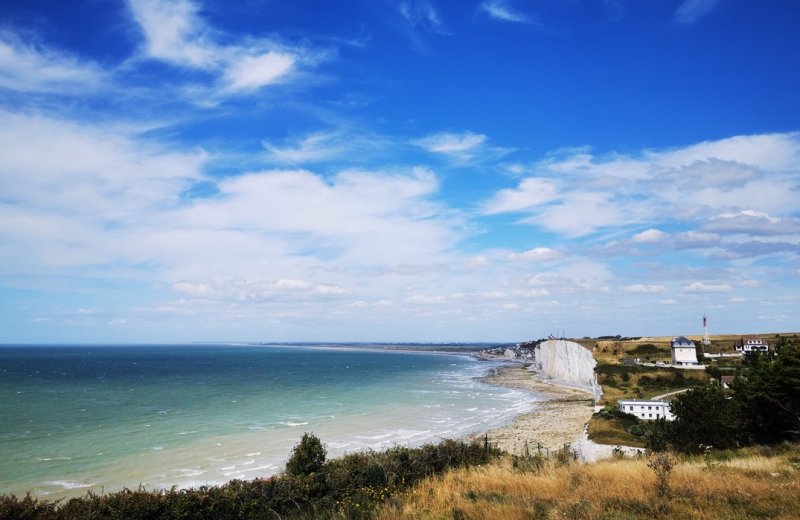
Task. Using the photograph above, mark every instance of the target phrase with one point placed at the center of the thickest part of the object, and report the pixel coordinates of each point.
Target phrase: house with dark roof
(684, 352)
(749, 344)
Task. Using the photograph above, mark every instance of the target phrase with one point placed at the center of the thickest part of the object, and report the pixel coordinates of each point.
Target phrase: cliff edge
(568, 363)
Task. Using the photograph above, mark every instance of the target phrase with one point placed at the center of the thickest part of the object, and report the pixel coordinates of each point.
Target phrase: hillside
(751, 483)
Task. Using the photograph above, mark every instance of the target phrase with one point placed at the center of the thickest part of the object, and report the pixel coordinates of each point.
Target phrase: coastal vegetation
(350, 487)
(762, 407)
(758, 482)
(621, 381)
(470, 481)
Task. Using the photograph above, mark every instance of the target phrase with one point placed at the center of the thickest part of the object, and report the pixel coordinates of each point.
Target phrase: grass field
(754, 483)
(638, 382)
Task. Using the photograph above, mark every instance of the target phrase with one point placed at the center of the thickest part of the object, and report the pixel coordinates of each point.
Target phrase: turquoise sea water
(75, 418)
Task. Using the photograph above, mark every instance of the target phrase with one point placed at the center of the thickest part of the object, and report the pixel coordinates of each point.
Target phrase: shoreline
(558, 419)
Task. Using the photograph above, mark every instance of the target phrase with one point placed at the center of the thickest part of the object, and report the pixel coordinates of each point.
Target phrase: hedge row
(346, 487)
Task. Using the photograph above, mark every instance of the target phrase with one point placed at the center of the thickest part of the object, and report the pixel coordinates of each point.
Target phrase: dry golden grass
(749, 485)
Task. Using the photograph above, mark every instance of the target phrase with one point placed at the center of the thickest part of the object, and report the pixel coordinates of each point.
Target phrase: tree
(768, 390)
(307, 457)
(705, 416)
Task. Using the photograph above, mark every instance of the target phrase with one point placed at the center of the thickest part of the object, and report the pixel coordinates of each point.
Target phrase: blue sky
(422, 170)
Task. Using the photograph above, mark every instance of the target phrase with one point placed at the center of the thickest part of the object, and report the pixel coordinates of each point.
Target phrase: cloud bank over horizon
(208, 179)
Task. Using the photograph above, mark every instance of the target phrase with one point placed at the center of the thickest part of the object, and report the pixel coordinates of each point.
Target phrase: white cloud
(26, 67)
(531, 293)
(537, 254)
(530, 193)
(329, 289)
(175, 33)
(451, 144)
(690, 11)
(769, 152)
(685, 186)
(500, 10)
(476, 262)
(580, 214)
(701, 287)
(252, 72)
(650, 236)
(254, 290)
(753, 222)
(695, 240)
(107, 173)
(419, 12)
(424, 299)
(311, 148)
(321, 146)
(644, 289)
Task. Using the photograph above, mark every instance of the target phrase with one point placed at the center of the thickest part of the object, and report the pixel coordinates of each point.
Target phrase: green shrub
(307, 457)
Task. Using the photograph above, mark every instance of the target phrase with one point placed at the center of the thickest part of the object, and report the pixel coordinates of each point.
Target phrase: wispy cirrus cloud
(175, 32)
(317, 146)
(420, 13)
(27, 67)
(327, 145)
(461, 147)
(500, 10)
(451, 143)
(690, 11)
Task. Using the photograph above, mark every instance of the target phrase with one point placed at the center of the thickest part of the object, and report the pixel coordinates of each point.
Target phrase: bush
(648, 348)
(662, 466)
(705, 415)
(307, 457)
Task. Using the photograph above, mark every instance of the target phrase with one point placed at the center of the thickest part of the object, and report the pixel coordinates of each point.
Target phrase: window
(631, 407)
(649, 407)
(650, 415)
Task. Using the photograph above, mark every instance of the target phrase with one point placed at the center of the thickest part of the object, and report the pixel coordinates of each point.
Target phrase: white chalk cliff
(567, 363)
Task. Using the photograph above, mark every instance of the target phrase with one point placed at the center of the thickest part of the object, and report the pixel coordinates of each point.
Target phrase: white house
(646, 410)
(749, 344)
(684, 352)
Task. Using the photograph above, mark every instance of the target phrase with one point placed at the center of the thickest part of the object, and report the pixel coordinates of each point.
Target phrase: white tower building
(706, 341)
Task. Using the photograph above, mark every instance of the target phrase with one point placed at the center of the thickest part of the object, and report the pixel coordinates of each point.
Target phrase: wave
(68, 484)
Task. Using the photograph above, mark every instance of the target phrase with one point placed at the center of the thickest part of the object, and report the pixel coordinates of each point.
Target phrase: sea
(101, 418)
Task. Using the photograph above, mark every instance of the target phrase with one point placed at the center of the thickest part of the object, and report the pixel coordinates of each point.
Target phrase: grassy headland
(751, 483)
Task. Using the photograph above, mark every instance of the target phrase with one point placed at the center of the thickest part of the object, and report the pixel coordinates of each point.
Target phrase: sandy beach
(558, 420)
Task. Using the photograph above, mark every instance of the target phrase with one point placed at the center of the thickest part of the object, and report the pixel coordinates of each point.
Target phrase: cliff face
(568, 363)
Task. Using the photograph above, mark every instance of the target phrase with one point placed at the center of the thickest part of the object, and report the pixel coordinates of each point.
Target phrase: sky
(416, 170)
